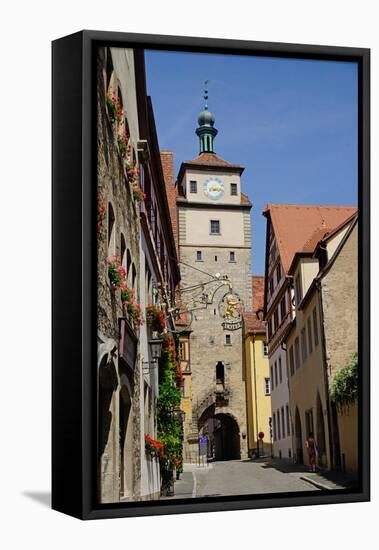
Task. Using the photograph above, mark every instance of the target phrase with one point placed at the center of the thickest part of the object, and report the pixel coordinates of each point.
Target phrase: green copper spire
(206, 131)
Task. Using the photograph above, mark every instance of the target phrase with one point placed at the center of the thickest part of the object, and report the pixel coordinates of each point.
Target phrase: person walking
(311, 447)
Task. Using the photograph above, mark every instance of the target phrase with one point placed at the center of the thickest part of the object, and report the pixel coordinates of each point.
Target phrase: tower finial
(206, 94)
(206, 130)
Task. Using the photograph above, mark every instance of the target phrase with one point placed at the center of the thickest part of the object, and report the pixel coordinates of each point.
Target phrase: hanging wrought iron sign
(231, 309)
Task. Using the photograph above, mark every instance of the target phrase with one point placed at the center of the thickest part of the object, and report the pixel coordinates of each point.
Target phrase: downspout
(326, 378)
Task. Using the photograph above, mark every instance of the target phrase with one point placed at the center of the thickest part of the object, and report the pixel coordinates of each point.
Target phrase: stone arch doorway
(299, 438)
(223, 434)
(320, 432)
(126, 440)
(226, 438)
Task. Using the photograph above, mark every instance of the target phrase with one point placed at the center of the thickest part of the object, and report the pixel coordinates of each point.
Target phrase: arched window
(108, 70)
(128, 265)
(111, 232)
(123, 251)
(134, 277)
(220, 374)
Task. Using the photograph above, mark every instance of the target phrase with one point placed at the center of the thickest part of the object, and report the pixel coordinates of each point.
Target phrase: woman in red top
(312, 452)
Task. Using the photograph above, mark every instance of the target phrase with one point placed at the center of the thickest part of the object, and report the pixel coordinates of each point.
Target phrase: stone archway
(227, 438)
(222, 432)
(299, 438)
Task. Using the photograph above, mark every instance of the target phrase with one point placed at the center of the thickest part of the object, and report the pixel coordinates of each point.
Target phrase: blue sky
(291, 123)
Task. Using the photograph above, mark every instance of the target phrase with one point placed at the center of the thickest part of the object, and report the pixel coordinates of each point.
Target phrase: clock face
(214, 188)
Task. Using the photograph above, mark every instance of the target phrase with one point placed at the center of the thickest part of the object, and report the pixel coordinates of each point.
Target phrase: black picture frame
(74, 273)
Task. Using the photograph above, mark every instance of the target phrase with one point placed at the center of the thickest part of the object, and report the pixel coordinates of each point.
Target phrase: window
(267, 386)
(272, 377)
(276, 373)
(282, 308)
(134, 277)
(233, 189)
(265, 349)
(288, 420)
(315, 327)
(215, 258)
(309, 422)
(276, 319)
(182, 351)
(283, 426)
(274, 417)
(292, 365)
(199, 256)
(215, 227)
(271, 285)
(111, 232)
(183, 387)
(269, 329)
(278, 423)
(228, 340)
(298, 291)
(193, 186)
(232, 256)
(280, 371)
(304, 351)
(278, 273)
(310, 346)
(297, 354)
(220, 375)
(123, 251)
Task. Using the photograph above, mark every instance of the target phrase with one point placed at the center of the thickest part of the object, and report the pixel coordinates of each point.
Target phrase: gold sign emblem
(231, 308)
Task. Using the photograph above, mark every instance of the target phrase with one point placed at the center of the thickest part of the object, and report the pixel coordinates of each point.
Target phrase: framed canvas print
(210, 275)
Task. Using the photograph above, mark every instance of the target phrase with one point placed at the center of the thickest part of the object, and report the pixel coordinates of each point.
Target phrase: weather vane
(206, 93)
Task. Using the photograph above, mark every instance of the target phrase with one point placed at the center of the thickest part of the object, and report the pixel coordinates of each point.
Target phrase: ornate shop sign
(231, 308)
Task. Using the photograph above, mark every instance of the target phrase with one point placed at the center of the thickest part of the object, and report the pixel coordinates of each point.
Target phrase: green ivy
(344, 389)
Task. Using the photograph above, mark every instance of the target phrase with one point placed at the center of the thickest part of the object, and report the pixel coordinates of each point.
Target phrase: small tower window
(232, 256)
(215, 258)
(199, 256)
(233, 189)
(228, 340)
(220, 375)
(193, 186)
(215, 227)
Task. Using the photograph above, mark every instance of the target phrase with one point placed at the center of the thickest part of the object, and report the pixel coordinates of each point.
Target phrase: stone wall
(208, 344)
(115, 190)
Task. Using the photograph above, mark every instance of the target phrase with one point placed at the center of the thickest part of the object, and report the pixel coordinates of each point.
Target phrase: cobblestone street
(239, 477)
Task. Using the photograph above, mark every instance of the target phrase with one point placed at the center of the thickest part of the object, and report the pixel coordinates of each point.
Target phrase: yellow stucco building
(258, 388)
(320, 340)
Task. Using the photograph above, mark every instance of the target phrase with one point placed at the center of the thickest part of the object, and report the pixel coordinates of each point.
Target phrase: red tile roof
(211, 159)
(297, 227)
(254, 320)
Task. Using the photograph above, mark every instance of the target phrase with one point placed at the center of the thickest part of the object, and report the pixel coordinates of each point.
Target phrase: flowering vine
(114, 109)
(117, 277)
(156, 318)
(138, 194)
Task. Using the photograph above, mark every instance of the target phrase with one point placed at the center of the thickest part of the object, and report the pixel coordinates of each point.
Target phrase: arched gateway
(222, 432)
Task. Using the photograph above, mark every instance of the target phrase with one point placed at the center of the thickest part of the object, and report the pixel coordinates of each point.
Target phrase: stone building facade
(135, 237)
(215, 258)
(321, 340)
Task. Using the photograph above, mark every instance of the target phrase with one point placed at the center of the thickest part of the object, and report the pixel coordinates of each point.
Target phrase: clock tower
(215, 255)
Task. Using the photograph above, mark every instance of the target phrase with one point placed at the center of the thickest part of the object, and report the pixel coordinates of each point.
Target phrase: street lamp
(156, 348)
(155, 352)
